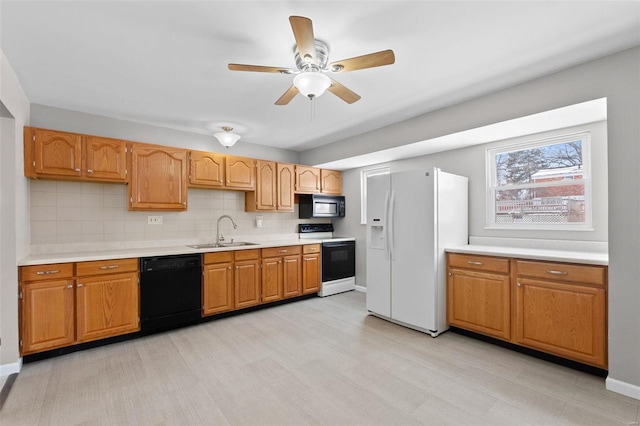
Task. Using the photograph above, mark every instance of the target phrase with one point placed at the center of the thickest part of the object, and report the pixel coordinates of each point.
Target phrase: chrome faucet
(220, 238)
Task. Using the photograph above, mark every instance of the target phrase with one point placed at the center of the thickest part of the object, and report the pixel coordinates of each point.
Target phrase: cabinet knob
(78, 170)
(70, 286)
(89, 171)
(519, 285)
(229, 267)
(80, 285)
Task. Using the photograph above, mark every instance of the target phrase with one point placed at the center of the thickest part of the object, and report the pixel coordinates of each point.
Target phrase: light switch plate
(154, 220)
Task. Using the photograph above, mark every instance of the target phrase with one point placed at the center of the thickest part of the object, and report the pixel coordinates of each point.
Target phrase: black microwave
(320, 206)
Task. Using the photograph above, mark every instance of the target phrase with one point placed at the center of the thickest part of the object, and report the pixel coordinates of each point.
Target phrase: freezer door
(378, 265)
(412, 239)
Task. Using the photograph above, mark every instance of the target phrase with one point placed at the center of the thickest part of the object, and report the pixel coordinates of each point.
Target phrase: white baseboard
(361, 288)
(623, 388)
(7, 369)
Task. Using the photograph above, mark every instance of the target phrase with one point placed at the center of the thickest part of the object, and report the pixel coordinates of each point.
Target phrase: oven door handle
(338, 244)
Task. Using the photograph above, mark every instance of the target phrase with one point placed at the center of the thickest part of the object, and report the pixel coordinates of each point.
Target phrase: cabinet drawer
(218, 257)
(246, 254)
(281, 251)
(311, 248)
(46, 272)
(101, 267)
(562, 272)
(479, 263)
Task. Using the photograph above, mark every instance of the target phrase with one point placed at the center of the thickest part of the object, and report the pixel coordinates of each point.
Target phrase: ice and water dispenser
(376, 234)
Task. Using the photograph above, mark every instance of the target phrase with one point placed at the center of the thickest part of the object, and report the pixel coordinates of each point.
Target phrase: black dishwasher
(170, 292)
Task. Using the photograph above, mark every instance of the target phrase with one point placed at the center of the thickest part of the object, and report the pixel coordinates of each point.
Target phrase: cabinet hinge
(20, 295)
(126, 172)
(34, 163)
(20, 342)
(33, 137)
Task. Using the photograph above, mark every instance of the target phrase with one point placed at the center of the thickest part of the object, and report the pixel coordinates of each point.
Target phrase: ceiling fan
(311, 57)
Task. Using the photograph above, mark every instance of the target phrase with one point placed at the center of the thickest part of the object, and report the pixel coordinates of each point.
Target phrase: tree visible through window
(541, 183)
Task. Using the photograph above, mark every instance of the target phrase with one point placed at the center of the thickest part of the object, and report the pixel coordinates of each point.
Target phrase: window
(543, 184)
(363, 190)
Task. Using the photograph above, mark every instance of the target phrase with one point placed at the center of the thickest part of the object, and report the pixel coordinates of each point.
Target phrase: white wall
(14, 194)
(615, 77)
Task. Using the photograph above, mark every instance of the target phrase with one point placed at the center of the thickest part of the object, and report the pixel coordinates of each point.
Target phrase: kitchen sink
(230, 244)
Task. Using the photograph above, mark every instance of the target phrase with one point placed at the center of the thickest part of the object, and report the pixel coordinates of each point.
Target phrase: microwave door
(325, 209)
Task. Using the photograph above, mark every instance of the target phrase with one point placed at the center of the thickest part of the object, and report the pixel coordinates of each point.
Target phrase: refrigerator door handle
(390, 225)
(386, 225)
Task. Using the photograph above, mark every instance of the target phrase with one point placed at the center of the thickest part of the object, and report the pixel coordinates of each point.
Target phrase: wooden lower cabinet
(106, 306)
(281, 273)
(217, 283)
(246, 278)
(479, 301)
(311, 272)
(561, 309)
(87, 302)
(47, 315)
(553, 307)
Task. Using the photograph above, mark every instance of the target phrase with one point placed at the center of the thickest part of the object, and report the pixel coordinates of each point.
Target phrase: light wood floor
(317, 361)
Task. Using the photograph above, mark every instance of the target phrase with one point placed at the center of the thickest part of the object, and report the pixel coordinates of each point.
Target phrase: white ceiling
(165, 62)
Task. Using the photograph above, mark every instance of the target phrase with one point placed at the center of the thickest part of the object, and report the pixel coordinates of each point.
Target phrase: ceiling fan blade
(259, 68)
(343, 93)
(288, 96)
(305, 40)
(385, 57)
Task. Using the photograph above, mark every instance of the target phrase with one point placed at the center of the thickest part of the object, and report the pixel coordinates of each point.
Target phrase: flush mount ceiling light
(226, 137)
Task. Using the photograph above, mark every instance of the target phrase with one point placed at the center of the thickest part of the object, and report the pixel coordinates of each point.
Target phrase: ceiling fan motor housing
(309, 64)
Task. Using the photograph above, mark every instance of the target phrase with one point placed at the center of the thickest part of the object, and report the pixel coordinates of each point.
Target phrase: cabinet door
(266, 192)
(331, 181)
(479, 301)
(307, 180)
(105, 159)
(311, 278)
(158, 178)
(107, 306)
(57, 153)
(240, 173)
(217, 288)
(48, 315)
(563, 319)
(285, 185)
(292, 275)
(271, 279)
(206, 169)
(247, 283)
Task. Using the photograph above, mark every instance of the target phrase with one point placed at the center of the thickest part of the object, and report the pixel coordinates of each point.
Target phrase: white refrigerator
(411, 217)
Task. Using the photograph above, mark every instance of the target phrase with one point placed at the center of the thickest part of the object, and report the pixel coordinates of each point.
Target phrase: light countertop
(556, 251)
(88, 254)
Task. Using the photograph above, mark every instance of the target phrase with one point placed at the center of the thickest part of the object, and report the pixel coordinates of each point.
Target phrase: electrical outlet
(154, 220)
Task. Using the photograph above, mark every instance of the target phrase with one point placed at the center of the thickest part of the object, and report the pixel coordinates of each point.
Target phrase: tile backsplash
(83, 212)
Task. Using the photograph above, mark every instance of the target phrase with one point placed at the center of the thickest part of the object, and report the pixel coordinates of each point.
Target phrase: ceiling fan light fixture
(311, 84)
(226, 137)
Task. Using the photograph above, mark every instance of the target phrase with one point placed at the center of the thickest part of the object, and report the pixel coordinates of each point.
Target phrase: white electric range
(338, 258)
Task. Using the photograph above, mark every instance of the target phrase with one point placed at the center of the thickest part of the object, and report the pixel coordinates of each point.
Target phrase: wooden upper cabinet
(105, 159)
(286, 184)
(158, 178)
(240, 173)
(64, 155)
(206, 169)
(274, 188)
(307, 180)
(53, 153)
(331, 182)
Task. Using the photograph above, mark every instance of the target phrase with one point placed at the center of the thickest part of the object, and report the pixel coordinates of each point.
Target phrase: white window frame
(491, 184)
(364, 174)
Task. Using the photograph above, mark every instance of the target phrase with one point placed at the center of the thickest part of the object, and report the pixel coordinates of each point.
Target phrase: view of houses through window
(541, 183)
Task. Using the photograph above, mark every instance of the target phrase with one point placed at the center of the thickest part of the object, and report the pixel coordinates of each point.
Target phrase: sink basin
(237, 244)
(213, 245)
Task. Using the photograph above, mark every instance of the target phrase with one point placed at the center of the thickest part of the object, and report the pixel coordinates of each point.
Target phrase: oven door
(338, 260)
